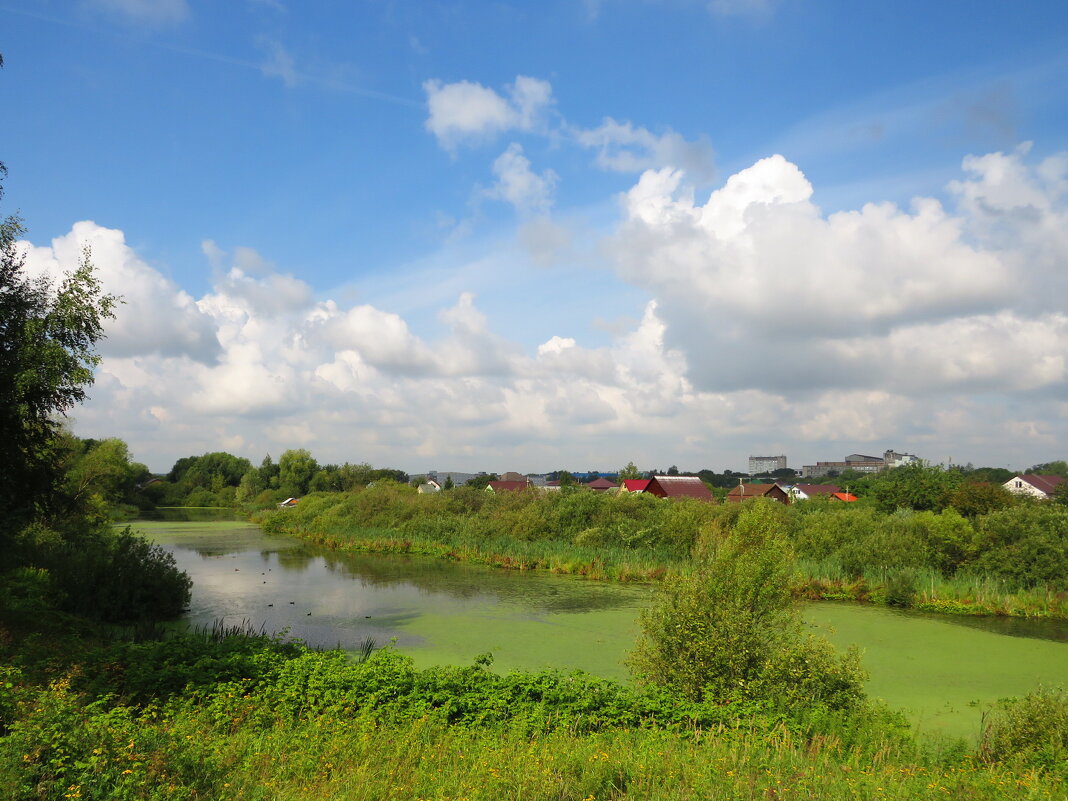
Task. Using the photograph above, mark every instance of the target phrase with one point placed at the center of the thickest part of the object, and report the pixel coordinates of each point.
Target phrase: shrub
(730, 630)
(1027, 544)
(901, 589)
(1032, 731)
(118, 577)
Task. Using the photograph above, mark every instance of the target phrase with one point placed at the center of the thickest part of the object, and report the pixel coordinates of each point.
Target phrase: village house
(601, 485)
(744, 492)
(1036, 486)
(679, 487)
(804, 492)
(508, 486)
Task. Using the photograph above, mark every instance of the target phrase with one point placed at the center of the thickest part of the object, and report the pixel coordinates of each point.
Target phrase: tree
(295, 471)
(481, 482)
(916, 486)
(1057, 468)
(629, 472)
(47, 356)
(252, 484)
(48, 336)
(729, 629)
(975, 498)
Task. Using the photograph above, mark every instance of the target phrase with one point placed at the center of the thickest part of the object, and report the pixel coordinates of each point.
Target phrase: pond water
(942, 671)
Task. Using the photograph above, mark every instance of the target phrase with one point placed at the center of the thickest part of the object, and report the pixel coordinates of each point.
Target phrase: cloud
(759, 290)
(518, 185)
(157, 316)
(622, 147)
(469, 112)
(151, 13)
(937, 329)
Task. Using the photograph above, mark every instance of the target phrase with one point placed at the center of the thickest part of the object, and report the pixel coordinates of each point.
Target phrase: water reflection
(1040, 628)
(327, 598)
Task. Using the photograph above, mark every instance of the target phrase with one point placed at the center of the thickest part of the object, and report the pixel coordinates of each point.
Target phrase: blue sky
(458, 174)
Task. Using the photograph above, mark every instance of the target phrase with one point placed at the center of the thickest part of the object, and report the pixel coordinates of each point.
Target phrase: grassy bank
(201, 716)
(1004, 564)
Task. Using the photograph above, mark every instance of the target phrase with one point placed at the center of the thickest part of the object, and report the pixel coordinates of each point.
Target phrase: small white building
(428, 488)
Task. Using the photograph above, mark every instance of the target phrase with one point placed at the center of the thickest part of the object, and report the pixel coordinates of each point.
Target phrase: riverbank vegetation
(1011, 560)
(733, 700)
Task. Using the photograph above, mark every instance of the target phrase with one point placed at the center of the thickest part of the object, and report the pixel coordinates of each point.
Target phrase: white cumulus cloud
(468, 111)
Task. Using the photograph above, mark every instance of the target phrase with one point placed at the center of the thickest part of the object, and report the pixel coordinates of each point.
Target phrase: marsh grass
(961, 594)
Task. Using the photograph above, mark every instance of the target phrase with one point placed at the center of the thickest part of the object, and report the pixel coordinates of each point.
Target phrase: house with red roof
(745, 492)
(679, 487)
(636, 484)
(844, 497)
(1034, 485)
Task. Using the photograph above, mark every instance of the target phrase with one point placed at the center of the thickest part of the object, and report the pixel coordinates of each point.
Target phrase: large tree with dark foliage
(47, 338)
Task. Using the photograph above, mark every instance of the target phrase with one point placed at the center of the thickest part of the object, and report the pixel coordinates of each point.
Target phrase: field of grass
(259, 722)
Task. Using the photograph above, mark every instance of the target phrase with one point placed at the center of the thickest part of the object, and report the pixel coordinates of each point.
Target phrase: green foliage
(252, 484)
(261, 719)
(629, 472)
(47, 338)
(1057, 468)
(1031, 731)
(481, 482)
(901, 589)
(295, 471)
(115, 577)
(1026, 545)
(915, 486)
(730, 629)
(975, 498)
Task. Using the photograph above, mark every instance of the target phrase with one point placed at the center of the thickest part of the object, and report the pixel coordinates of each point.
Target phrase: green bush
(1031, 731)
(901, 589)
(730, 630)
(1027, 545)
(116, 577)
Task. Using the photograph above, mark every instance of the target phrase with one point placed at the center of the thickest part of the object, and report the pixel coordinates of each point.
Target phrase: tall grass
(964, 593)
(119, 753)
(206, 715)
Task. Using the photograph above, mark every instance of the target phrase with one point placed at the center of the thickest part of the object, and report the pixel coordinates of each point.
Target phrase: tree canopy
(47, 356)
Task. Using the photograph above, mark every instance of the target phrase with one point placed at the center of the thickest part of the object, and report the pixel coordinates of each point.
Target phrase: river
(944, 672)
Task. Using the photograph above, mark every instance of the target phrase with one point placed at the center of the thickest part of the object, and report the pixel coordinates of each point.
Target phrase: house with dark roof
(803, 492)
(745, 492)
(601, 484)
(507, 486)
(679, 487)
(1034, 485)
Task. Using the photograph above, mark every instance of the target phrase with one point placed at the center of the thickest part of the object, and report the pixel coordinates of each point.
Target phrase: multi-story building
(861, 463)
(759, 465)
